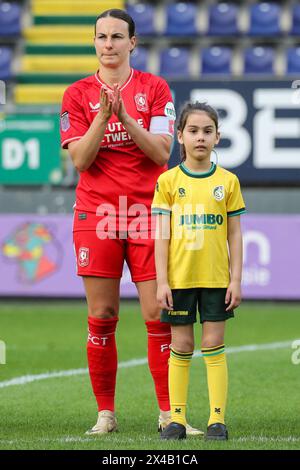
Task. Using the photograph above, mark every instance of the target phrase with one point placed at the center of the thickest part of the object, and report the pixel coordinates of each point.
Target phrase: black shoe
(216, 432)
(174, 431)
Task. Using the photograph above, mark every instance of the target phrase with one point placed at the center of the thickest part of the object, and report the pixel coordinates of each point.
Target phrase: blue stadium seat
(264, 19)
(5, 63)
(174, 62)
(296, 20)
(10, 19)
(223, 20)
(216, 60)
(139, 59)
(181, 19)
(293, 60)
(143, 16)
(259, 60)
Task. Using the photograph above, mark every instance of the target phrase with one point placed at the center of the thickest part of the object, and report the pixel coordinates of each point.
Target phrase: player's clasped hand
(164, 297)
(106, 103)
(111, 102)
(118, 104)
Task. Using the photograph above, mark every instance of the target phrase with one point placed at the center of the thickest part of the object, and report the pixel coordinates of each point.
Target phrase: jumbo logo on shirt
(83, 257)
(205, 220)
(141, 102)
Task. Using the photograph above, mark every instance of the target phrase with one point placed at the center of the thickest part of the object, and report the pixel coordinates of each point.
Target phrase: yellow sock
(217, 381)
(179, 371)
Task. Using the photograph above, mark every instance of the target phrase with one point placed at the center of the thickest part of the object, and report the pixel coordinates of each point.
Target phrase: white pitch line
(62, 440)
(25, 379)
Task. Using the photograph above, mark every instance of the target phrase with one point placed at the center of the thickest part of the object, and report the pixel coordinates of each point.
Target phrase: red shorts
(105, 258)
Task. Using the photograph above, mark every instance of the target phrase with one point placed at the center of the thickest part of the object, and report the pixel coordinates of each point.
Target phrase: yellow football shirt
(198, 204)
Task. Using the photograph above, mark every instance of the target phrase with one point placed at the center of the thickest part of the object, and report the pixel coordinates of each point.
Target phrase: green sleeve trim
(237, 212)
(157, 210)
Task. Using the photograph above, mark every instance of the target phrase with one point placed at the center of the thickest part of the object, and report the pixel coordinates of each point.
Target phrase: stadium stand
(36, 94)
(264, 19)
(5, 63)
(177, 39)
(259, 60)
(223, 20)
(181, 19)
(143, 15)
(10, 19)
(296, 20)
(216, 60)
(58, 34)
(139, 59)
(174, 62)
(69, 8)
(293, 60)
(58, 48)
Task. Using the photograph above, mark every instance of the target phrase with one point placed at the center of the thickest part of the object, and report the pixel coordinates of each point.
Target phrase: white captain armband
(162, 125)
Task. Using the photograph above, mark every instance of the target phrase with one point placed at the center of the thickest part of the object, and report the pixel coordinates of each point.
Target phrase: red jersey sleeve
(162, 111)
(73, 121)
(162, 101)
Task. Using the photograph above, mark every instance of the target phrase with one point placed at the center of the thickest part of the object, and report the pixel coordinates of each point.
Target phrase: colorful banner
(37, 257)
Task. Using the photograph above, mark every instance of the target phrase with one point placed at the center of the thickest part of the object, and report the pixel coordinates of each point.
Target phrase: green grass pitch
(54, 412)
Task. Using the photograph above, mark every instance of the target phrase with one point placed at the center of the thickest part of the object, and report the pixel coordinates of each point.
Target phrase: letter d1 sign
(30, 150)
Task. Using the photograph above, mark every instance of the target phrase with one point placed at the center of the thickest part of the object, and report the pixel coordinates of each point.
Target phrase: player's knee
(103, 312)
(185, 346)
(211, 341)
(151, 314)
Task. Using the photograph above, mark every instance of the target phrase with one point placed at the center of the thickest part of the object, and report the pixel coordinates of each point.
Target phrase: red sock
(102, 360)
(159, 339)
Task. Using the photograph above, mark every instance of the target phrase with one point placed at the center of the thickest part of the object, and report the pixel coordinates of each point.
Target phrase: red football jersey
(120, 168)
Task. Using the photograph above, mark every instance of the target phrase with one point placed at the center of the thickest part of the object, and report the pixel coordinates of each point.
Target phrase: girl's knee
(212, 341)
(185, 346)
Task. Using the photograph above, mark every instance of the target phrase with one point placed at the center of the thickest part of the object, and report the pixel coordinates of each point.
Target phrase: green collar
(194, 174)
